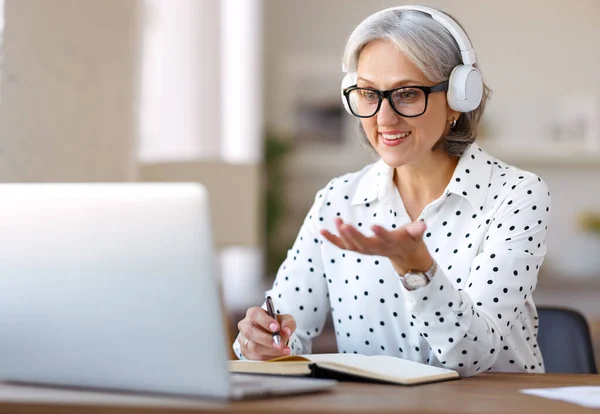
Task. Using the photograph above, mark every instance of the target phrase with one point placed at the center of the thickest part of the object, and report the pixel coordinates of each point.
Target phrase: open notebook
(348, 367)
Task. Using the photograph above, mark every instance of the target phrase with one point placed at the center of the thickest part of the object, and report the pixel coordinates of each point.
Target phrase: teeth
(395, 136)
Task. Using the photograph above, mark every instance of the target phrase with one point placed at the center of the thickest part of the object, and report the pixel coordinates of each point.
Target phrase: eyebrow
(404, 82)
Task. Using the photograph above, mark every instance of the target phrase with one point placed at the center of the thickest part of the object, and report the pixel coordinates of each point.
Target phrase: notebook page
(383, 365)
(588, 396)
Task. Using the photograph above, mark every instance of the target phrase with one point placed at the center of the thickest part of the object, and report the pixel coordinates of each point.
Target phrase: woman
(431, 253)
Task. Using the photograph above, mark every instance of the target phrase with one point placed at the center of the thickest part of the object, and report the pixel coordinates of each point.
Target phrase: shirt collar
(472, 176)
(374, 183)
(378, 183)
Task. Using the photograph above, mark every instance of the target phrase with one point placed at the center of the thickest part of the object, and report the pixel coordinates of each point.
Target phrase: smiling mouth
(393, 137)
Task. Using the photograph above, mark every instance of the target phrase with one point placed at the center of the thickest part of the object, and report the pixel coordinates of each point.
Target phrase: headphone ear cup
(349, 80)
(465, 88)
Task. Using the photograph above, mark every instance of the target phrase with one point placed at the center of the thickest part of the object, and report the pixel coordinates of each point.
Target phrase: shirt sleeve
(300, 287)
(466, 328)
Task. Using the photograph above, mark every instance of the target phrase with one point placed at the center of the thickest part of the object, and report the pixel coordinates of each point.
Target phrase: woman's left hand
(403, 246)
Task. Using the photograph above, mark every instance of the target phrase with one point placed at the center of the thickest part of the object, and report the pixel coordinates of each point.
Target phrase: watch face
(415, 280)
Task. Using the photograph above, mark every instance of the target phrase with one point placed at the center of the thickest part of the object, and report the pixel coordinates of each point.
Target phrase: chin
(394, 160)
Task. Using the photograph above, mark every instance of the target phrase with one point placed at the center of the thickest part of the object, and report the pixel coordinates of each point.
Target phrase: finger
(359, 240)
(260, 317)
(382, 234)
(333, 239)
(288, 327)
(255, 333)
(347, 240)
(255, 351)
(416, 229)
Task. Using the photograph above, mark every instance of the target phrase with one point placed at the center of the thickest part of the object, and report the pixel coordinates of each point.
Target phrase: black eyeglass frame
(440, 87)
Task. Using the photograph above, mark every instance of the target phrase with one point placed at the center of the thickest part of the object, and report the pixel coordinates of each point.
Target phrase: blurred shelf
(569, 284)
(544, 156)
(329, 160)
(326, 161)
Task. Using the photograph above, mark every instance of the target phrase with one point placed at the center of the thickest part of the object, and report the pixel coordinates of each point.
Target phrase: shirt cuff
(237, 349)
(294, 343)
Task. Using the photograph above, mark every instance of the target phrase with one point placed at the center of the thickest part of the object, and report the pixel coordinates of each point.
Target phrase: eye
(368, 95)
(407, 95)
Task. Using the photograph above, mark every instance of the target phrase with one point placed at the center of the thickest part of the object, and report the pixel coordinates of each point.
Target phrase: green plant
(276, 149)
(590, 221)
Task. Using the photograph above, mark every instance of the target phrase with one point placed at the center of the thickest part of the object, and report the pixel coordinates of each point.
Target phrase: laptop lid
(110, 286)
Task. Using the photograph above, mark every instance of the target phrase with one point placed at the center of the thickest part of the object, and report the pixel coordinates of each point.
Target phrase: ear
(451, 113)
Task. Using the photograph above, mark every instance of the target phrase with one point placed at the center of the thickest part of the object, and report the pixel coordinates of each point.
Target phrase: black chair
(564, 339)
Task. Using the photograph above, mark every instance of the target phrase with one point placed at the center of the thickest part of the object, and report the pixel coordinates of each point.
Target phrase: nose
(386, 115)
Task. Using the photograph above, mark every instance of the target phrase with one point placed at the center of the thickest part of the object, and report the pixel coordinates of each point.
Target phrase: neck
(424, 182)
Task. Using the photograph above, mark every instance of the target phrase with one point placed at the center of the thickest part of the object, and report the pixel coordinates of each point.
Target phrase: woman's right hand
(256, 334)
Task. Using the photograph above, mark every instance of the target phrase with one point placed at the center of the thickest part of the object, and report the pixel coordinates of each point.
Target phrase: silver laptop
(113, 286)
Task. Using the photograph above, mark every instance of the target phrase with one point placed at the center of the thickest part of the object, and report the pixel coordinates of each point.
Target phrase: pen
(271, 312)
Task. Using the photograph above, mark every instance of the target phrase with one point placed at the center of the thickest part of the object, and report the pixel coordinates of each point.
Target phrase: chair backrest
(565, 342)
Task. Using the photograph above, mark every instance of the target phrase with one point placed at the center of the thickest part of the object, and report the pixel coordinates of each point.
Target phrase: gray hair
(432, 49)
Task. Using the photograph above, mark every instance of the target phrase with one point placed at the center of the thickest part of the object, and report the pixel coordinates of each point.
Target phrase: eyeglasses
(407, 101)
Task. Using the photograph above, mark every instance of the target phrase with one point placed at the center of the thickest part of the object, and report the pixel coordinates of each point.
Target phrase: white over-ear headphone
(465, 86)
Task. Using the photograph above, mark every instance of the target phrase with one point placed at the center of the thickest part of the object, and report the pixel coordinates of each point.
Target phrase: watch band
(431, 271)
(413, 280)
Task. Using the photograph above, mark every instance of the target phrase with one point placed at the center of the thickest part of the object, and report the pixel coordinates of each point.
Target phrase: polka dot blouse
(487, 233)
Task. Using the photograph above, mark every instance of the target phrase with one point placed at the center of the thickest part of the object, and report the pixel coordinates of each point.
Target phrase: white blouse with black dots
(487, 233)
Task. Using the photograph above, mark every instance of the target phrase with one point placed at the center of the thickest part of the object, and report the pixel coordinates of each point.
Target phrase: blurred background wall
(243, 96)
(67, 110)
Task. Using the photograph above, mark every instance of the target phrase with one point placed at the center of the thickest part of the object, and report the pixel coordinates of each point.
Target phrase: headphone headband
(466, 50)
